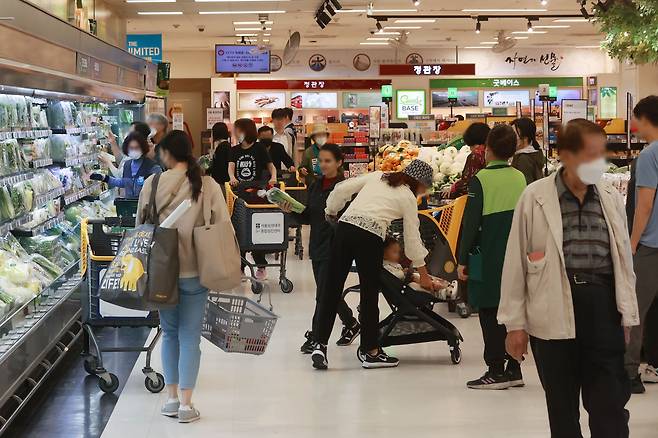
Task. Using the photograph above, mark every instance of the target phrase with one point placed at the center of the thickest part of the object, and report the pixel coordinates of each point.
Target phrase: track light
(329, 9)
(530, 29)
(583, 9)
(379, 26)
(337, 6)
(416, 2)
(478, 27)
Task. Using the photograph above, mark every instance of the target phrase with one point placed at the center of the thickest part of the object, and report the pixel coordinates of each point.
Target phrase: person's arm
(286, 159)
(471, 221)
(231, 173)
(116, 150)
(344, 190)
(414, 248)
(272, 170)
(646, 176)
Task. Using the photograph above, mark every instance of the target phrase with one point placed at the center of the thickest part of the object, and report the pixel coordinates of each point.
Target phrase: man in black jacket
(276, 150)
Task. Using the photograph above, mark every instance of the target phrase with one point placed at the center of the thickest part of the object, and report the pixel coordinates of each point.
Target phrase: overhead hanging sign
(506, 82)
(426, 69)
(355, 84)
(145, 46)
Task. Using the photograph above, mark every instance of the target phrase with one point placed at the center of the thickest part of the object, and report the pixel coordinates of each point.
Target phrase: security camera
(372, 31)
(201, 28)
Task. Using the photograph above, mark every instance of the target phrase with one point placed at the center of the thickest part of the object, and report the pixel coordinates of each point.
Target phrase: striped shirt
(586, 241)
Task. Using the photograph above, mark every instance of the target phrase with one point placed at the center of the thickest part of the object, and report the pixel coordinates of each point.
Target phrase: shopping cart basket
(98, 250)
(300, 194)
(261, 227)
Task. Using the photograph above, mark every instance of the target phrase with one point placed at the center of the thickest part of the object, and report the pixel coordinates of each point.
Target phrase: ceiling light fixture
(478, 27)
(246, 34)
(415, 2)
(377, 39)
(379, 26)
(244, 1)
(504, 10)
(543, 2)
(381, 32)
(236, 23)
(402, 27)
(374, 44)
(240, 12)
(521, 38)
(159, 13)
(530, 26)
(489, 42)
(330, 9)
(252, 28)
(517, 32)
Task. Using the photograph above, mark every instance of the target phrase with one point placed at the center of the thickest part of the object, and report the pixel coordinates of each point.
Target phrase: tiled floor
(280, 395)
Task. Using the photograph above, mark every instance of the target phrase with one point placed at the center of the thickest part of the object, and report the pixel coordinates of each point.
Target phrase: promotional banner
(361, 100)
(465, 98)
(257, 101)
(410, 102)
(314, 100)
(145, 46)
(505, 98)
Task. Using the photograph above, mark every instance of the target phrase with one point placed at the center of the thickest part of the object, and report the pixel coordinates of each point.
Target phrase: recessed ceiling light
(528, 31)
(246, 34)
(556, 26)
(571, 20)
(267, 34)
(374, 11)
(252, 28)
(236, 23)
(504, 10)
(150, 1)
(239, 12)
(416, 20)
(386, 33)
(266, 41)
(522, 38)
(159, 13)
(401, 27)
(374, 44)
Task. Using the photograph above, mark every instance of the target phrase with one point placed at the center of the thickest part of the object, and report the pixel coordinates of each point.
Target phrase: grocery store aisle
(279, 394)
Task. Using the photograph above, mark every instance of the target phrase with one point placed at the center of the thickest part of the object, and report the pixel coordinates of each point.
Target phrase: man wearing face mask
(568, 285)
(310, 166)
(136, 169)
(278, 154)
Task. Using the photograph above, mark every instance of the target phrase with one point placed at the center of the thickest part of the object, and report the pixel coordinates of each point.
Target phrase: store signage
(314, 100)
(177, 118)
(550, 59)
(364, 99)
(452, 93)
(356, 84)
(506, 82)
(387, 91)
(464, 98)
(267, 228)
(573, 109)
(214, 115)
(239, 58)
(552, 92)
(258, 101)
(410, 102)
(145, 46)
(426, 69)
(82, 64)
(417, 117)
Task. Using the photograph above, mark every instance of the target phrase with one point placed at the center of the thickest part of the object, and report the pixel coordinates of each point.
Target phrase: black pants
(259, 258)
(494, 335)
(367, 250)
(320, 272)
(593, 364)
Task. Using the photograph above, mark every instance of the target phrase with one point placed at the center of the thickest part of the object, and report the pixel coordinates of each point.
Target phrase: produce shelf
(76, 196)
(35, 133)
(10, 180)
(43, 162)
(74, 161)
(43, 226)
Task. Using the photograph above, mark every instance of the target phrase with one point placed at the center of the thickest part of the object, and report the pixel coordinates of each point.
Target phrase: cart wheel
(286, 285)
(456, 354)
(156, 386)
(360, 355)
(301, 254)
(463, 310)
(256, 287)
(109, 387)
(90, 365)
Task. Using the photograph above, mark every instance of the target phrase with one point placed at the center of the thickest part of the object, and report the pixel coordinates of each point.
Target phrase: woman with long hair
(528, 158)
(221, 147)
(181, 325)
(360, 233)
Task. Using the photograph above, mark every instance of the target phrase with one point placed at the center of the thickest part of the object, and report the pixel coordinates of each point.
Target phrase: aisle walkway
(280, 395)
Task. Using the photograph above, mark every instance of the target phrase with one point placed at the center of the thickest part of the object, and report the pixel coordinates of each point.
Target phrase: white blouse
(376, 205)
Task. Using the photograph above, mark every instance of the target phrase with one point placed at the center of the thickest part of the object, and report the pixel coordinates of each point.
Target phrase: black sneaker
(309, 345)
(379, 360)
(490, 381)
(637, 387)
(319, 356)
(514, 375)
(348, 335)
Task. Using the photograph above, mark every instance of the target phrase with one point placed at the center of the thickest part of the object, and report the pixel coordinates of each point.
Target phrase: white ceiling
(348, 30)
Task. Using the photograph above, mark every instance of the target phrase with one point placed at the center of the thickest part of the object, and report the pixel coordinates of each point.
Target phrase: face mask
(240, 138)
(321, 141)
(592, 171)
(134, 154)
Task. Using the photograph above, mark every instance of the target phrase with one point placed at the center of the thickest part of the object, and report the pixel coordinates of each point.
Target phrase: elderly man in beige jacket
(568, 284)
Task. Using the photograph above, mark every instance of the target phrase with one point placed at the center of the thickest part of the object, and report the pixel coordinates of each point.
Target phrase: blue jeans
(181, 334)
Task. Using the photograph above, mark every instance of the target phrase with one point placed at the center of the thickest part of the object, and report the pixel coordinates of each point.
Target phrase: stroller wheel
(456, 354)
(256, 287)
(360, 355)
(286, 285)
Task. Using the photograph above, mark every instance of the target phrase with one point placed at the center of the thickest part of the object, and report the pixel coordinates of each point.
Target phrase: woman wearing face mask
(135, 170)
(310, 167)
(568, 285)
(322, 234)
(249, 160)
(528, 158)
(360, 233)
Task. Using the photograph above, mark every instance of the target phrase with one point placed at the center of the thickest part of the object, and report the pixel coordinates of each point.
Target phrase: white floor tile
(280, 395)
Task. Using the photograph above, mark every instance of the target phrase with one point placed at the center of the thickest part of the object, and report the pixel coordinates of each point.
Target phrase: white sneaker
(650, 375)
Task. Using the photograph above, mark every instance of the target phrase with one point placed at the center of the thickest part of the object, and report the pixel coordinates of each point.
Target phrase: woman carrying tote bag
(181, 325)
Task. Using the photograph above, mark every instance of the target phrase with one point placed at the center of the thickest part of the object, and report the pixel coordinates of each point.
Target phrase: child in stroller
(443, 289)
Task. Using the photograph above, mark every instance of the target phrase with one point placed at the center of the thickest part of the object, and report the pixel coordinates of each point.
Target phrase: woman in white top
(381, 198)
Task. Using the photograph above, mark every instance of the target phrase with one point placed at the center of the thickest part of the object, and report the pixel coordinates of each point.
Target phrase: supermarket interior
(469, 187)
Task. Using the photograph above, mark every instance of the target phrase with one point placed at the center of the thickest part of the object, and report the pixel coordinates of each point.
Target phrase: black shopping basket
(98, 249)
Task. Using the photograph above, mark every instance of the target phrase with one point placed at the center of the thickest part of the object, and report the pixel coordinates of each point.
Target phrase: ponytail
(177, 143)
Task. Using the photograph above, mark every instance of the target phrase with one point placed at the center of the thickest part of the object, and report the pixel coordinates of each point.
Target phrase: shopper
(135, 170)
(278, 154)
(492, 196)
(282, 134)
(159, 126)
(475, 137)
(322, 234)
(644, 244)
(220, 153)
(528, 157)
(181, 325)
(359, 238)
(116, 166)
(248, 164)
(310, 166)
(568, 283)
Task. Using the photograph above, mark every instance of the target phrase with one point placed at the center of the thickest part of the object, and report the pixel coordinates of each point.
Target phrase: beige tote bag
(217, 251)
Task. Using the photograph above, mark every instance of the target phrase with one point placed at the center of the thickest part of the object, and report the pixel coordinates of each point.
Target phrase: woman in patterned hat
(360, 233)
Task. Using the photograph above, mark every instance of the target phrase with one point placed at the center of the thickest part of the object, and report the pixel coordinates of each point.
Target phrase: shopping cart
(98, 250)
(300, 194)
(261, 227)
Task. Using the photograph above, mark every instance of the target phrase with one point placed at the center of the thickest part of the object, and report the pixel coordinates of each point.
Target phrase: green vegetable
(51, 268)
(278, 197)
(6, 205)
(17, 200)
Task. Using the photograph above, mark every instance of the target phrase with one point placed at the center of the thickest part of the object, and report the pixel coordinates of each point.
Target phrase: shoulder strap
(207, 214)
(154, 219)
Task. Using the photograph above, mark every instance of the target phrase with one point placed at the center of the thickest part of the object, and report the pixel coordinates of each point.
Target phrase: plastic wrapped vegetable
(278, 197)
(6, 205)
(47, 265)
(17, 200)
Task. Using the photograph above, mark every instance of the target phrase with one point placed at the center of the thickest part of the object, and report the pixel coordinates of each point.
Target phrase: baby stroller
(412, 319)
